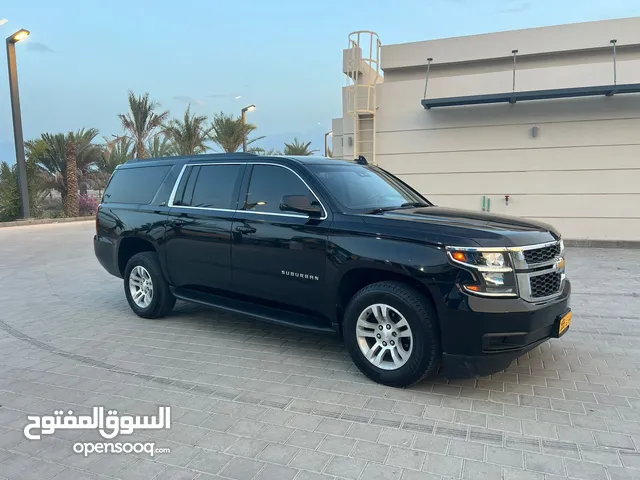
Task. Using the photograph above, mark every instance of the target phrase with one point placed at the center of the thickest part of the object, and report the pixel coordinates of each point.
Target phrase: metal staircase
(362, 67)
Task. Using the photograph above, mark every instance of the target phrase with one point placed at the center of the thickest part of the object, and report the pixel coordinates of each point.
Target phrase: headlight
(492, 272)
(480, 259)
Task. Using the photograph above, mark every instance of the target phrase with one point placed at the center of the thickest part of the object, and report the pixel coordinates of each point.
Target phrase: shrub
(87, 205)
(10, 203)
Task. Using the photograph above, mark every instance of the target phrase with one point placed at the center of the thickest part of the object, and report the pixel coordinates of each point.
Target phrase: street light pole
(17, 119)
(326, 143)
(246, 109)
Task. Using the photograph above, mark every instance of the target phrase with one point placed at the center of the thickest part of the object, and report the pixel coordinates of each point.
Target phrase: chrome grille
(545, 285)
(541, 255)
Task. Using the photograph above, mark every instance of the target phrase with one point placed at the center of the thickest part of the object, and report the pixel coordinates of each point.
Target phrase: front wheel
(391, 332)
(145, 287)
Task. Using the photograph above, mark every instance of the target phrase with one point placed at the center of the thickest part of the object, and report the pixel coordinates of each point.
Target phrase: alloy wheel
(384, 336)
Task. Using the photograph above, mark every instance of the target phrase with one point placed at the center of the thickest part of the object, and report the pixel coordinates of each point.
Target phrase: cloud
(516, 8)
(225, 95)
(187, 99)
(39, 47)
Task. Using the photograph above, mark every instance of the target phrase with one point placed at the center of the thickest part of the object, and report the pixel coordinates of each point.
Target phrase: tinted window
(359, 187)
(135, 185)
(184, 193)
(215, 187)
(268, 184)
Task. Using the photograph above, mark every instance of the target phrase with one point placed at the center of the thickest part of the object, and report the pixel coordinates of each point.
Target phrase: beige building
(566, 151)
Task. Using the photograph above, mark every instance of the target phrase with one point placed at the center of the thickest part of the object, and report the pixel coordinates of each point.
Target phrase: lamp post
(326, 143)
(17, 119)
(249, 108)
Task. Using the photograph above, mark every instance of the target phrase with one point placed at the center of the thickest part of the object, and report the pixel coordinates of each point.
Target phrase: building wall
(580, 173)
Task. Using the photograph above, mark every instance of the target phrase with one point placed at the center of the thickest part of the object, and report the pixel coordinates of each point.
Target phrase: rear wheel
(145, 287)
(390, 330)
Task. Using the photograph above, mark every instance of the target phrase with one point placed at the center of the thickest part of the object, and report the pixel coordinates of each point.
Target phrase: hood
(485, 229)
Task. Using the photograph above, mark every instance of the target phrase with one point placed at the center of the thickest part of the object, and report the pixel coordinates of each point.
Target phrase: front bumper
(481, 336)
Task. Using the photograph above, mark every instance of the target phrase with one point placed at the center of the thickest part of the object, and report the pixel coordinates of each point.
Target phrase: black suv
(335, 246)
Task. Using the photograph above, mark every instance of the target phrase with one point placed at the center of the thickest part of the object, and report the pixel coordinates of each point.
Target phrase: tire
(160, 301)
(421, 355)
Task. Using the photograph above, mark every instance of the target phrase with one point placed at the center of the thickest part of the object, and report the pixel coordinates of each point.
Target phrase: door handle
(245, 229)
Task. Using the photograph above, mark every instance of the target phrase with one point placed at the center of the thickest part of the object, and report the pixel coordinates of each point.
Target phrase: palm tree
(188, 136)
(50, 153)
(116, 152)
(228, 132)
(298, 148)
(88, 156)
(261, 151)
(71, 208)
(161, 146)
(142, 122)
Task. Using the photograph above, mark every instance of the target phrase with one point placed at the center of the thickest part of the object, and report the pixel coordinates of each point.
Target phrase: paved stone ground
(251, 400)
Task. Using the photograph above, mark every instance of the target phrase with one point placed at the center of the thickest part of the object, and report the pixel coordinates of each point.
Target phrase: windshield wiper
(404, 205)
(414, 204)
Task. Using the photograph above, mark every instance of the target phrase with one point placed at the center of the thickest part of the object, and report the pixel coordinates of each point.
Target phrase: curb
(634, 244)
(45, 221)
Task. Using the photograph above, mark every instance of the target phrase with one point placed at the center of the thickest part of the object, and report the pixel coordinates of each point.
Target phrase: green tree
(160, 146)
(262, 151)
(10, 202)
(298, 148)
(190, 135)
(227, 132)
(50, 152)
(71, 206)
(115, 152)
(142, 122)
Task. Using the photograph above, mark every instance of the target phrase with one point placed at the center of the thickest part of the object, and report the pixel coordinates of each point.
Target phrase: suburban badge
(300, 275)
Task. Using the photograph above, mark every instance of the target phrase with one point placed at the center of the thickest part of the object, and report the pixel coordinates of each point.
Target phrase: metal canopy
(513, 97)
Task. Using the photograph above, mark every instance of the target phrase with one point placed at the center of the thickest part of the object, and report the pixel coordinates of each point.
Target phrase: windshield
(358, 187)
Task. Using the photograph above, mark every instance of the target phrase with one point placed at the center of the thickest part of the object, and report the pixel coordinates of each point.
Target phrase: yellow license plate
(565, 322)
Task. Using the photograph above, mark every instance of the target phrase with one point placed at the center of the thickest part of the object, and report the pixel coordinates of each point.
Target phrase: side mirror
(301, 204)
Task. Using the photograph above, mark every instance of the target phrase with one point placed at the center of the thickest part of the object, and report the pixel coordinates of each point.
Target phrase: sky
(284, 56)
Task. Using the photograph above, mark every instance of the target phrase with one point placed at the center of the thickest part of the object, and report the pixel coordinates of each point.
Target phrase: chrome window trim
(175, 186)
(170, 204)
